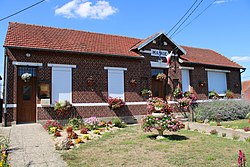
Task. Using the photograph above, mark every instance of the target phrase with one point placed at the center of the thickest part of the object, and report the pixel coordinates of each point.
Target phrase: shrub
(49, 124)
(75, 123)
(247, 139)
(246, 129)
(213, 95)
(177, 93)
(223, 134)
(229, 94)
(167, 122)
(92, 122)
(236, 137)
(115, 103)
(84, 131)
(228, 110)
(214, 132)
(118, 123)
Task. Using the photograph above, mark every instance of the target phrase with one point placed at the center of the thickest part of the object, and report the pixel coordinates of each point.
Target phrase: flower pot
(158, 108)
(157, 115)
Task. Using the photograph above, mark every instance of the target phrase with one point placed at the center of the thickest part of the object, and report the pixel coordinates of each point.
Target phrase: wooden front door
(157, 88)
(26, 99)
(157, 85)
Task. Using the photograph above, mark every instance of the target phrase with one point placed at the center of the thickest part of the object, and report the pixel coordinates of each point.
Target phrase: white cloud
(222, 1)
(241, 58)
(85, 9)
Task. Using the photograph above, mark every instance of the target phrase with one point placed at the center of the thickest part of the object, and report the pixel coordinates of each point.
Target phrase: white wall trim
(62, 65)
(10, 106)
(217, 70)
(115, 68)
(136, 103)
(18, 63)
(159, 64)
(89, 104)
(186, 68)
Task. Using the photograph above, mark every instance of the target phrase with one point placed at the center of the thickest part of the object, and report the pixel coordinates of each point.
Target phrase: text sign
(156, 52)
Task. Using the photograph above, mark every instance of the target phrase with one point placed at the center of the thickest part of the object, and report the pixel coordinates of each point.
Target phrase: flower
(53, 129)
(115, 103)
(161, 76)
(26, 77)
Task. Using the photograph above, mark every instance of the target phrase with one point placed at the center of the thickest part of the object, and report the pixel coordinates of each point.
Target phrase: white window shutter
(185, 80)
(61, 84)
(116, 83)
(217, 81)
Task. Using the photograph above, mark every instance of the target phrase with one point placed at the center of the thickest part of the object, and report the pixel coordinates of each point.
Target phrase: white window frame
(217, 71)
(66, 67)
(188, 72)
(116, 70)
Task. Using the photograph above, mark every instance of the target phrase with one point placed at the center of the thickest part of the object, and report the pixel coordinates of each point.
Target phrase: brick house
(63, 61)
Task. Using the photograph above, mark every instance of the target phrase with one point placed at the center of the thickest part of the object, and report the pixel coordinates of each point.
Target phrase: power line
(195, 18)
(182, 17)
(22, 10)
(187, 17)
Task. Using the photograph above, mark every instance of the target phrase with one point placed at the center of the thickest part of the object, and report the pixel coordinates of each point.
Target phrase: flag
(168, 57)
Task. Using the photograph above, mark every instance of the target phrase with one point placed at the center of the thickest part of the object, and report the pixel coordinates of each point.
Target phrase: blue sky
(224, 27)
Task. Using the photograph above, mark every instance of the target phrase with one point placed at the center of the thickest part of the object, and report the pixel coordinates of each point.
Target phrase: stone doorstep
(230, 132)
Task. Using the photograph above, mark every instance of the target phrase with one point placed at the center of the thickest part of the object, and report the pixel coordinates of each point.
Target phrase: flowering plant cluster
(184, 102)
(145, 92)
(115, 103)
(161, 76)
(167, 122)
(156, 104)
(26, 77)
(4, 160)
(62, 107)
(52, 126)
(92, 122)
(230, 94)
(190, 96)
(177, 93)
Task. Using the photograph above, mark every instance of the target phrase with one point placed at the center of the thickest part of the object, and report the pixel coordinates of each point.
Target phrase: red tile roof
(245, 85)
(207, 56)
(42, 37)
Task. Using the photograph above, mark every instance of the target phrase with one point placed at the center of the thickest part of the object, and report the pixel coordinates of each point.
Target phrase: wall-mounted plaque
(44, 91)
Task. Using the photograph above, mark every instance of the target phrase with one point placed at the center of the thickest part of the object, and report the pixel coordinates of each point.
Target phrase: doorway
(26, 95)
(158, 88)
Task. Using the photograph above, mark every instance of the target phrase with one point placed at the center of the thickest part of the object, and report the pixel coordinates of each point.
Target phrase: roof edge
(69, 51)
(213, 65)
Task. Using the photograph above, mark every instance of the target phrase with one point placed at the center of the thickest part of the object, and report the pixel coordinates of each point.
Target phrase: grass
(132, 147)
(237, 124)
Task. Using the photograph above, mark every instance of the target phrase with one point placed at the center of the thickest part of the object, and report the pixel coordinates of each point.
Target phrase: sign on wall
(156, 52)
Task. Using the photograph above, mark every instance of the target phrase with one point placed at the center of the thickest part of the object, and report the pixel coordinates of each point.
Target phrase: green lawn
(132, 147)
(237, 124)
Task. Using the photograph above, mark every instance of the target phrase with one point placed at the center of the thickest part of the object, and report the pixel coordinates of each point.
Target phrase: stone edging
(205, 128)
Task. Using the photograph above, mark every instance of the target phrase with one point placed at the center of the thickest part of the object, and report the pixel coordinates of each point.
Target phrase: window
(61, 84)
(30, 70)
(155, 72)
(217, 81)
(185, 80)
(116, 82)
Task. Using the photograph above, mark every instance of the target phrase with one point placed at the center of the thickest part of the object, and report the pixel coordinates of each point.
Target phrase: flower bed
(77, 132)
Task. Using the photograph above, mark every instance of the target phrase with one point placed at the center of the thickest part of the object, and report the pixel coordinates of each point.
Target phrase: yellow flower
(53, 129)
(1, 163)
(86, 137)
(97, 132)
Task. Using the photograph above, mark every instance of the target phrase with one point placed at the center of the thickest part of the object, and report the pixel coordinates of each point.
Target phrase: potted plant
(156, 106)
(62, 107)
(115, 103)
(229, 94)
(26, 77)
(90, 81)
(146, 93)
(133, 82)
(161, 77)
(213, 95)
(177, 93)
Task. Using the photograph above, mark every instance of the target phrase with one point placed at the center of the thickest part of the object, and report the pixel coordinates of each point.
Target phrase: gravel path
(31, 146)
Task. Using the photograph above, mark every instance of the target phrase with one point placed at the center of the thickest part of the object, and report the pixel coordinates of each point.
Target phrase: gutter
(5, 86)
(215, 65)
(68, 51)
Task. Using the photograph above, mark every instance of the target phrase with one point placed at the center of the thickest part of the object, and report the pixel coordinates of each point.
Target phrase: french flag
(168, 57)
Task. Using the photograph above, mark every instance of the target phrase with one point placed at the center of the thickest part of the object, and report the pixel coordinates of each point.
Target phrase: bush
(75, 123)
(214, 132)
(228, 110)
(118, 123)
